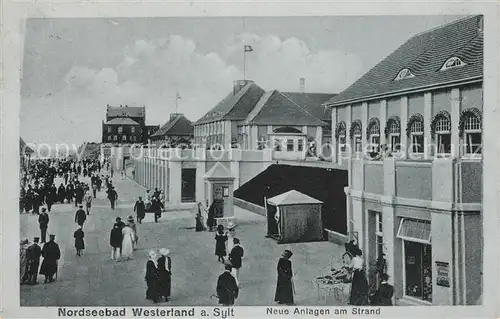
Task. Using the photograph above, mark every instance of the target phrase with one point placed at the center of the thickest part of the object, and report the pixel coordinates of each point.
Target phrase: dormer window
(452, 62)
(404, 74)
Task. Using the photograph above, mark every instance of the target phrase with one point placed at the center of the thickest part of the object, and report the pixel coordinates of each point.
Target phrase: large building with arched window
(410, 131)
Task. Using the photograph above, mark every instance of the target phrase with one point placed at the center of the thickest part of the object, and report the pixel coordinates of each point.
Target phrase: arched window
(340, 135)
(441, 129)
(124, 138)
(120, 129)
(132, 129)
(109, 129)
(415, 132)
(393, 133)
(287, 129)
(470, 129)
(356, 136)
(404, 74)
(452, 62)
(374, 134)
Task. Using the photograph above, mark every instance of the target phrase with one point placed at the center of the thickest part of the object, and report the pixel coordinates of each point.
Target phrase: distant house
(220, 124)
(178, 131)
(126, 125)
(255, 119)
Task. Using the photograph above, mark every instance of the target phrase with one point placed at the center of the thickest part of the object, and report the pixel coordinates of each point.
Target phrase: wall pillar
(390, 224)
(383, 121)
(404, 120)
(175, 182)
(334, 147)
(348, 135)
(455, 119)
(253, 138)
(364, 124)
(227, 134)
(319, 140)
(428, 150)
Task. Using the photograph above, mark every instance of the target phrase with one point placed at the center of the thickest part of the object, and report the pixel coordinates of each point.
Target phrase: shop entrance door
(188, 181)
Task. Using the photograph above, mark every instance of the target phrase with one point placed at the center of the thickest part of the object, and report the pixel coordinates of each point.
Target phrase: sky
(74, 67)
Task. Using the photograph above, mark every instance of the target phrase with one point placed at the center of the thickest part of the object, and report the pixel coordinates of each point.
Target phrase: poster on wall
(443, 274)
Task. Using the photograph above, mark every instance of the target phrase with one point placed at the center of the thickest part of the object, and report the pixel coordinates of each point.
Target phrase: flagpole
(176, 99)
(244, 62)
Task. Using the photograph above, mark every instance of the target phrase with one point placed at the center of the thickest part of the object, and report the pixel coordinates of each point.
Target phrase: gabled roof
(313, 103)
(234, 106)
(424, 55)
(278, 109)
(218, 171)
(24, 147)
(125, 111)
(179, 125)
(122, 121)
(292, 197)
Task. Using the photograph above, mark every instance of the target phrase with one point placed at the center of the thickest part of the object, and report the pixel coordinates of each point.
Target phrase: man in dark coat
(140, 210)
(79, 192)
(284, 286)
(227, 289)
(51, 255)
(50, 197)
(61, 193)
(43, 220)
(156, 208)
(80, 216)
(33, 254)
(165, 274)
(37, 199)
(70, 192)
(112, 196)
(236, 256)
(115, 240)
(66, 176)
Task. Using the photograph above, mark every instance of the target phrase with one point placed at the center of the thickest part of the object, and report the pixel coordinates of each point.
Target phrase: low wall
(250, 206)
(337, 238)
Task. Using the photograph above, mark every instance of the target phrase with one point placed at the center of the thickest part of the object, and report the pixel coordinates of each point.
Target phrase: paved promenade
(95, 280)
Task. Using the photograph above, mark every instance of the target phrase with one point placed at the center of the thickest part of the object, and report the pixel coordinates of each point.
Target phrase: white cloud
(151, 72)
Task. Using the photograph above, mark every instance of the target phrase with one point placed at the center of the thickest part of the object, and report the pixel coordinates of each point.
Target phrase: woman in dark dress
(220, 243)
(284, 286)
(152, 278)
(384, 293)
(211, 217)
(79, 244)
(359, 285)
(199, 220)
(165, 274)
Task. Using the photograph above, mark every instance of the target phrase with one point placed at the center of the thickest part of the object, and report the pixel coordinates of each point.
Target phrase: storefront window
(300, 146)
(418, 270)
(289, 145)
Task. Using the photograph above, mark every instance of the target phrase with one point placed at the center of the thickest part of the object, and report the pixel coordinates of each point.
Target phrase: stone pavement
(95, 280)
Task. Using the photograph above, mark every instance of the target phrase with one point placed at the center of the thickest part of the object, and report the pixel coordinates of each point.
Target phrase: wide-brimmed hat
(287, 253)
(228, 265)
(231, 225)
(52, 236)
(164, 252)
(130, 219)
(24, 241)
(152, 254)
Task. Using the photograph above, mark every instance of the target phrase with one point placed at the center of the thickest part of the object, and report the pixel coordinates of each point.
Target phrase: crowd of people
(38, 194)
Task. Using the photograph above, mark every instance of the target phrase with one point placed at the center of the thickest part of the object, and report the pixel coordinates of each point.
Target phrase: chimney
(239, 84)
(302, 85)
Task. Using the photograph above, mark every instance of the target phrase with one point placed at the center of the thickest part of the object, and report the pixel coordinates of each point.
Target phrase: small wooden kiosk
(294, 217)
(219, 188)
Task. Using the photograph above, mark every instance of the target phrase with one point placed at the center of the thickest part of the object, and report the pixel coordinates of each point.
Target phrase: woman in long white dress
(127, 242)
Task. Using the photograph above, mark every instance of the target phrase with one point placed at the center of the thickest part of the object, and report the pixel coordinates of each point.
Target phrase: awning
(415, 230)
